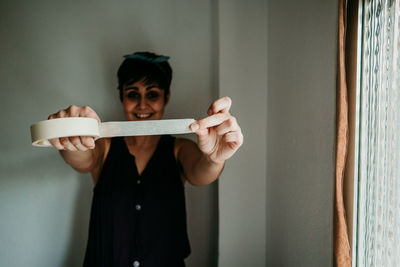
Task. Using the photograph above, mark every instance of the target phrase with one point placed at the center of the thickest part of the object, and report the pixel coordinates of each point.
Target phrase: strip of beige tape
(42, 131)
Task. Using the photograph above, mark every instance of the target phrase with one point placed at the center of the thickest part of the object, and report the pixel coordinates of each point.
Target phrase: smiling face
(143, 101)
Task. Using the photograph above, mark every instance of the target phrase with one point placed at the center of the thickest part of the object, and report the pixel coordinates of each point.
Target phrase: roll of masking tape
(42, 131)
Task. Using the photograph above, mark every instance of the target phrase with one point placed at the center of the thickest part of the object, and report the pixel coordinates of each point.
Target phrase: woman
(138, 215)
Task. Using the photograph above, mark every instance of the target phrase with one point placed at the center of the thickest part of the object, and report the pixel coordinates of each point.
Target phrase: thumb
(195, 127)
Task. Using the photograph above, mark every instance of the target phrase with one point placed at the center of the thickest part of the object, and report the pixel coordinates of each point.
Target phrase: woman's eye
(152, 95)
(133, 95)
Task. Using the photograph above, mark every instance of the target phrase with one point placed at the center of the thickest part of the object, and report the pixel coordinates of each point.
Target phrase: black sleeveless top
(138, 220)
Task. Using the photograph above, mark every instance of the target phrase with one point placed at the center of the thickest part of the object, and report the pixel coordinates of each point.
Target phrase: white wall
(57, 53)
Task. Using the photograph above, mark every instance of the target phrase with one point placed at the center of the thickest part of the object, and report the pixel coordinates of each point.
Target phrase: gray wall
(58, 53)
(242, 186)
(277, 60)
(301, 130)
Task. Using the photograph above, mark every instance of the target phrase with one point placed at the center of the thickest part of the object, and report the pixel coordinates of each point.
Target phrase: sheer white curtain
(378, 233)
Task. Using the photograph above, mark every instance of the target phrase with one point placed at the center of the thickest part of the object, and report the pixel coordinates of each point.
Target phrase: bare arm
(218, 138)
(197, 168)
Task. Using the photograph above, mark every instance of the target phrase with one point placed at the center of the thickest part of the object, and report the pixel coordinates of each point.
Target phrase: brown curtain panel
(342, 246)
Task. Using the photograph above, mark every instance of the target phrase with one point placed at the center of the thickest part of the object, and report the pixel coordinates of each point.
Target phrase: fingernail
(90, 144)
(194, 127)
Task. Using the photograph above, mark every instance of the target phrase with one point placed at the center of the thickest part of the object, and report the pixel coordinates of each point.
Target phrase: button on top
(136, 264)
(138, 181)
(138, 207)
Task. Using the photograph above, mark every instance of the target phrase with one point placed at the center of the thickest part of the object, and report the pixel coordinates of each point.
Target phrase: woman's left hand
(219, 134)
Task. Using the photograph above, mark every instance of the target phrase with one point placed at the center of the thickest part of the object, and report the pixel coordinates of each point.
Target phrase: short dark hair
(147, 66)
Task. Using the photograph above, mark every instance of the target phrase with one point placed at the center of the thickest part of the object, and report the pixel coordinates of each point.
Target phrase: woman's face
(143, 102)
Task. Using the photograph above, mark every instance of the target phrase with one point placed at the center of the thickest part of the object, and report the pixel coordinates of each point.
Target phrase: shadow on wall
(45, 208)
(79, 222)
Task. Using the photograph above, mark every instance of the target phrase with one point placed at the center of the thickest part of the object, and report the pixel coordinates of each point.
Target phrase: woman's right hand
(74, 143)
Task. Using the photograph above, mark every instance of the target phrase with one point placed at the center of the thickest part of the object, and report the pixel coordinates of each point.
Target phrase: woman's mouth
(143, 115)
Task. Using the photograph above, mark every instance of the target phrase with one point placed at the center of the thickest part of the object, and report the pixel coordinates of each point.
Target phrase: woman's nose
(142, 103)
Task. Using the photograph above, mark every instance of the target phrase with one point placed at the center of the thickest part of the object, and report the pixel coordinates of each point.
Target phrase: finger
(210, 121)
(221, 105)
(76, 142)
(202, 132)
(67, 144)
(234, 138)
(73, 111)
(61, 114)
(88, 141)
(229, 125)
(87, 111)
(52, 116)
(56, 143)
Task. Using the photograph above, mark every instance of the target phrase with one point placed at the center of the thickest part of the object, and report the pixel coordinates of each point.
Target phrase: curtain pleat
(342, 246)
